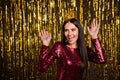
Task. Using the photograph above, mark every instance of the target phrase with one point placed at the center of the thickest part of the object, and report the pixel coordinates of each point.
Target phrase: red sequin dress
(68, 60)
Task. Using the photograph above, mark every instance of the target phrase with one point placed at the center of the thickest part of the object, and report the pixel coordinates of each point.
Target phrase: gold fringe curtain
(21, 21)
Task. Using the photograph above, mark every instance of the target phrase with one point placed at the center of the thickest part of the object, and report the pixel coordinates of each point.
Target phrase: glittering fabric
(69, 62)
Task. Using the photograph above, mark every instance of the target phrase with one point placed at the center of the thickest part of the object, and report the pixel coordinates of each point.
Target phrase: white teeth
(70, 39)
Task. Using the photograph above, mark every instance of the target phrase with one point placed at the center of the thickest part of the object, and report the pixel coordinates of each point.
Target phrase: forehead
(69, 25)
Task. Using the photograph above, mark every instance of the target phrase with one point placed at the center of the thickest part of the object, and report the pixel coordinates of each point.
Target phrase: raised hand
(45, 37)
(94, 29)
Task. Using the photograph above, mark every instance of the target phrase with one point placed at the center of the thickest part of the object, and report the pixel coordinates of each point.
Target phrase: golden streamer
(21, 21)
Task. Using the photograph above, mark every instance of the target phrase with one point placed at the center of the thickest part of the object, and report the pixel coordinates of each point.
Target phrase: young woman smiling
(71, 53)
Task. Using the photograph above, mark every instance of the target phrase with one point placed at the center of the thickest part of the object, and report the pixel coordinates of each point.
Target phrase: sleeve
(46, 57)
(99, 55)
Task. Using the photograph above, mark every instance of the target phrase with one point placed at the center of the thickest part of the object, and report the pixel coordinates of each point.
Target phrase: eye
(65, 30)
(73, 29)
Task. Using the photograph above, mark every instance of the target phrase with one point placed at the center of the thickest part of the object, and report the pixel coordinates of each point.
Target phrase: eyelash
(67, 30)
(73, 29)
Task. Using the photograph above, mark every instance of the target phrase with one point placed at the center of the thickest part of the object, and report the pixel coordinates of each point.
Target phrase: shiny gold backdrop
(21, 21)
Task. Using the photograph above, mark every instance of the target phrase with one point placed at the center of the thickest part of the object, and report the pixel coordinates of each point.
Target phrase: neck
(72, 45)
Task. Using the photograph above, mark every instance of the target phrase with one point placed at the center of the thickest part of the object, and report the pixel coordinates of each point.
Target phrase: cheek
(76, 33)
(65, 33)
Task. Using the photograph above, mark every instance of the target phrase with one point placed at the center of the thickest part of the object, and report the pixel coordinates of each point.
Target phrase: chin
(71, 43)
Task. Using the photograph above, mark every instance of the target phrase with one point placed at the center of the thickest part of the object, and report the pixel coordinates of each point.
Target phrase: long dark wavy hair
(80, 42)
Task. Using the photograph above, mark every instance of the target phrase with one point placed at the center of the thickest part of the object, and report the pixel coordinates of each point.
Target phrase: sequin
(69, 62)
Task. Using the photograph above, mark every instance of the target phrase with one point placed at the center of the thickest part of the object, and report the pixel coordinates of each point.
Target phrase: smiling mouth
(70, 39)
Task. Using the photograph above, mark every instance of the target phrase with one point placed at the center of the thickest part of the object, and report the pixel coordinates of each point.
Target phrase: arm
(46, 57)
(99, 55)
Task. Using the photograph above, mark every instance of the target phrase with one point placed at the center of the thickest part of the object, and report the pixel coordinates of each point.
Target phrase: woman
(71, 53)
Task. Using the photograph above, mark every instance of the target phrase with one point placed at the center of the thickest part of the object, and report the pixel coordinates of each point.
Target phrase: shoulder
(58, 44)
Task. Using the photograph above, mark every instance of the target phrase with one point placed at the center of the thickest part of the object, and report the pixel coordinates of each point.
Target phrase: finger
(45, 32)
(88, 28)
(50, 35)
(41, 35)
(98, 26)
(93, 23)
(42, 32)
(96, 23)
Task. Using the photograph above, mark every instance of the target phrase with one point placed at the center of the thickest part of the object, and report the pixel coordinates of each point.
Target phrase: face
(71, 33)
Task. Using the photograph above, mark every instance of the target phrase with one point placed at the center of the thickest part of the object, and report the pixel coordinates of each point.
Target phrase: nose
(69, 32)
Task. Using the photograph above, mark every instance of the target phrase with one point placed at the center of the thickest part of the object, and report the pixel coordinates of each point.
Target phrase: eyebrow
(71, 28)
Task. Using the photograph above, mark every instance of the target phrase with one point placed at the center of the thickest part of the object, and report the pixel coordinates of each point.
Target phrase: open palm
(94, 29)
(45, 37)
